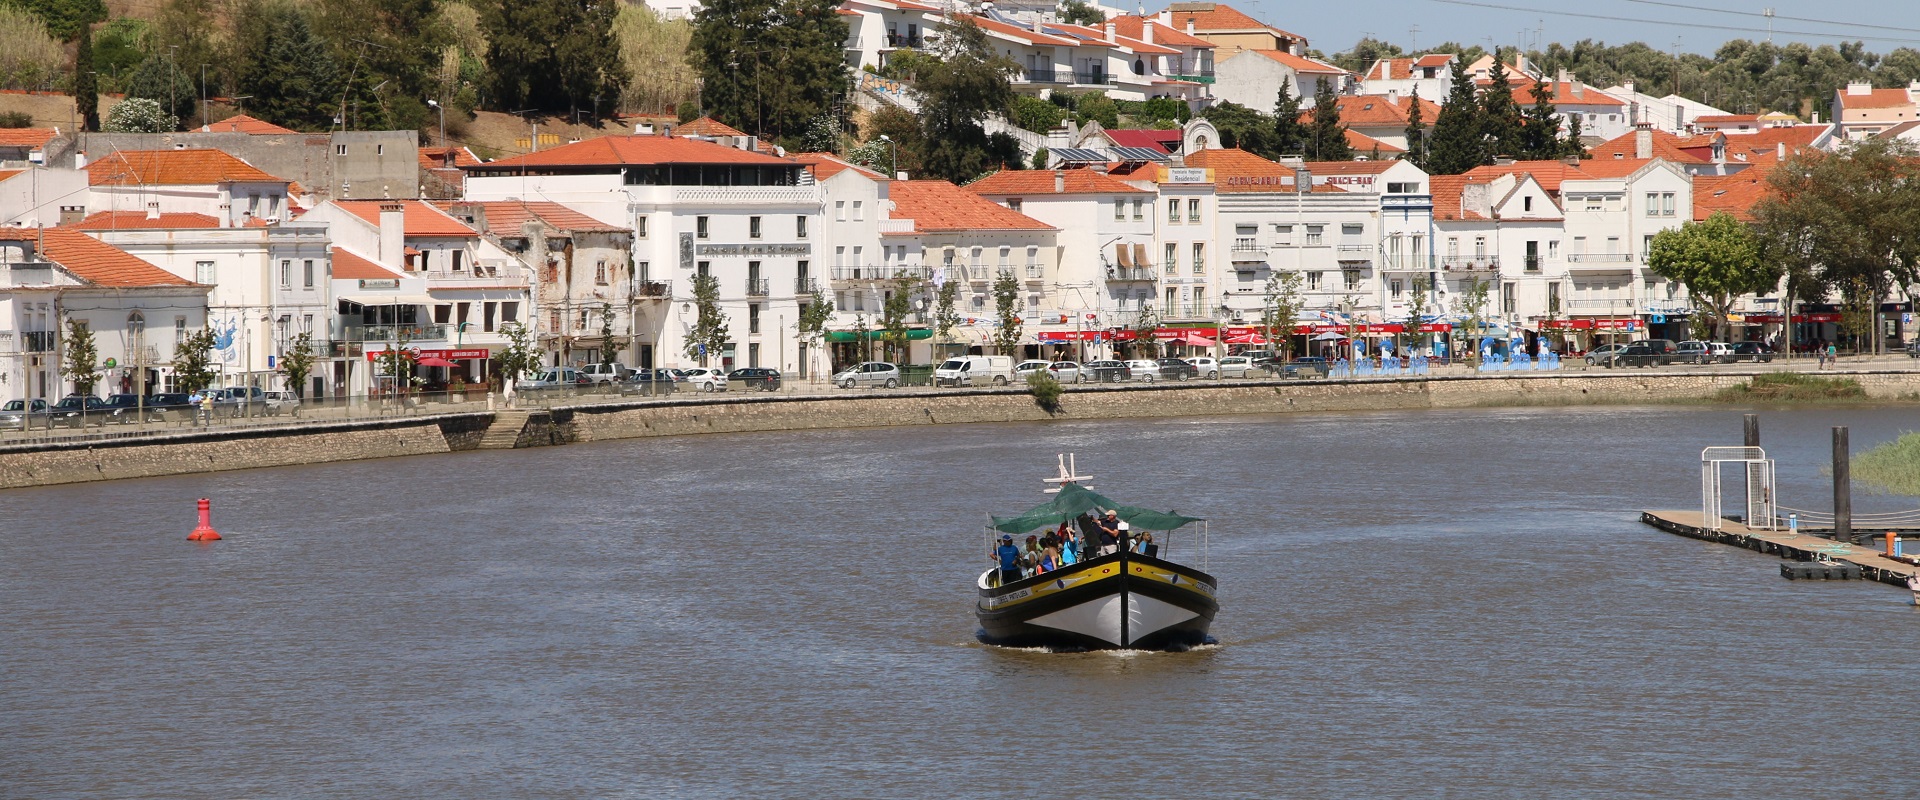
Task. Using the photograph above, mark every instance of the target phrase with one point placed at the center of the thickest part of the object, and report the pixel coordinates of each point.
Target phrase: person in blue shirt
(1069, 549)
(1009, 560)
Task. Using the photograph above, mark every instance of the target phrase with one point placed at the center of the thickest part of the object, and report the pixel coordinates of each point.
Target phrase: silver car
(1145, 370)
(1236, 367)
(868, 373)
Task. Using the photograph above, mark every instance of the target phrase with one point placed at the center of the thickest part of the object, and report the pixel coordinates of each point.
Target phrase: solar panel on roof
(1140, 154)
(1081, 154)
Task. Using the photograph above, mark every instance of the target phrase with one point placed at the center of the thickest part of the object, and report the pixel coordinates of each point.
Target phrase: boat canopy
(1074, 500)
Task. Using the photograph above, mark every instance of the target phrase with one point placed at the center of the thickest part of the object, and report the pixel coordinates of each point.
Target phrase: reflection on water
(1415, 604)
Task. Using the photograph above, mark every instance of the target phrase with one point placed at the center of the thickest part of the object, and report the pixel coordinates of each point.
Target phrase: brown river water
(1447, 604)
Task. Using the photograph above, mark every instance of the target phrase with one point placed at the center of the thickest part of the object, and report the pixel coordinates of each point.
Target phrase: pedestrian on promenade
(1833, 356)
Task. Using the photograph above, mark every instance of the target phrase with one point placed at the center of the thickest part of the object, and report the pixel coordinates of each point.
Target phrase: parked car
(1177, 369)
(1205, 367)
(874, 373)
(1755, 352)
(658, 380)
(1065, 371)
(1238, 367)
(132, 409)
(764, 379)
(281, 401)
(172, 406)
(25, 415)
(76, 411)
(1662, 349)
(605, 373)
(706, 379)
(563, 377)
(1698, 352)
(974, 371)
(1025, 368)
(1639, 354)
(1106, 371)
(1145, 370)
(1601, 354)
(237, 401)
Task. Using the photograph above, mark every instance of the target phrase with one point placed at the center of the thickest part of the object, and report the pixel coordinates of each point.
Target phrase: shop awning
(1124, 255)
(878, 334)
(390, 299)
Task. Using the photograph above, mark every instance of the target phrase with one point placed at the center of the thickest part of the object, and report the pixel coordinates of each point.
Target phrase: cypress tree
(1416, 131)
(1458, 143)
(1328, 137)
(1500, 115)
(1540, 134)
(1289, 134)
(86, 89)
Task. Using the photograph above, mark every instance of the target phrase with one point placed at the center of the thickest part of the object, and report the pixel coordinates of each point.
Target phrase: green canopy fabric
(1074, 500)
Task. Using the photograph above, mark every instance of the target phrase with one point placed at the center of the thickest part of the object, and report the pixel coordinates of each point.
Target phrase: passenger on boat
(1069, 549)
(1009, 560)
(1049, 554)
(1109, 532)
(1143, 543)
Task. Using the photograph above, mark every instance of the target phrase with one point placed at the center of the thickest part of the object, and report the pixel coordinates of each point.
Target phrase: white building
(1671, 113)
(1431, 75)
(187, 181)
(269, 283)
(1611, 219)
(583, 283)
(695, 208)
(966, 238)
(1106, 236)
(41, 197)
(136, 312)
(1506, 230)
(1252, 78)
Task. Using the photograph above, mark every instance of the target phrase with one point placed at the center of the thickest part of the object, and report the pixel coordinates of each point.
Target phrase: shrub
(1046, 391)
(1791, 387)
(15, 119)
(29, 56)
(1037, 115)
(1040, 158)
(139, 115)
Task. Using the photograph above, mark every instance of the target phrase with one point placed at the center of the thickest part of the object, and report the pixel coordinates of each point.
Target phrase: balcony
(804, 285)
(412, 332)
(758, 287)
(881, 272)
(37, 341)
(896, 40)
(1600, 258)
(1130, 273)
(1247, 250)
(1531, 265)
(1195, 76)
(1048, 75)
(1092, 79)
(1036, 272)
(1470, 264)
(652, 290)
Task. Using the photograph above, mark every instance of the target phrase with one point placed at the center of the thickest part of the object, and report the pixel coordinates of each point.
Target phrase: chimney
(1110, 32)
(1780, 150)
(71, 215)
(1189, 26)
(1859, 88)
(1059, 181)
(1643, 143)
(80, 159)
(1146, 33)
(1629, 87)
(226, 215)
(153, 210)
(393, 234)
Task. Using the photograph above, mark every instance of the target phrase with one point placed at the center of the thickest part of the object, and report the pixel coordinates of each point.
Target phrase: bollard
(205, 532)
(1893, 543)
(1793, 524)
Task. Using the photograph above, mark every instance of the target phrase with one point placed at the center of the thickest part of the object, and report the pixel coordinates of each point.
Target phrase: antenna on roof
(1068, 474)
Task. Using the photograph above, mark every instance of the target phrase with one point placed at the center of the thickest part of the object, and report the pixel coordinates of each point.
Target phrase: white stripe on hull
(1100, 618)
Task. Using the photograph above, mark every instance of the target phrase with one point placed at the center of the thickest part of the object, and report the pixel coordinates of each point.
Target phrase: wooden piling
(1751, 424)
(1842, 487)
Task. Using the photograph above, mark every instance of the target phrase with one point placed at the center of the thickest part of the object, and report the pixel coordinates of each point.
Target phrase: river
(1414, 604)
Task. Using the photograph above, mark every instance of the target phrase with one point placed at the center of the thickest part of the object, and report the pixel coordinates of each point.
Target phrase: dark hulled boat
(1125, 600)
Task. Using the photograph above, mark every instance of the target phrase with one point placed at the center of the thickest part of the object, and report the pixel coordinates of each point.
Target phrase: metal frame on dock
(1759, 478)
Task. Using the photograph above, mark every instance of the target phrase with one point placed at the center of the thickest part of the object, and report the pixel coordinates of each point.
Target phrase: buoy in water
(205, 532)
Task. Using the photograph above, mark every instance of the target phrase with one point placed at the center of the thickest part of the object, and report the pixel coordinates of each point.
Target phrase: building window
(700, 227)
(703, 268)
(839, 211)
(553, 319)
(1139, 208)
(1173, 212)
(1013, 204)
(1119, 209)
(457, 257)
(1283, 234)
(753, 227)
(1199, 258)
(1396, 288)
(1526, 203)
(1313, 281)
(1033, 257)
(640, 227)
(1172, 262)
(1315, 235)
(600, 272)
(286, 273)
(800, 227)
(339, 149)
(1506, 299)
(858, 215)
(203, 273)
(1553, 248)
(1193, 210)
(753, 318)
(307, 273)
(1351, 277)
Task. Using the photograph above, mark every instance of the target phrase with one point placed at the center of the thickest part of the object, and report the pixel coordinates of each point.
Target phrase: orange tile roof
(827, 165)
(1564, 93)
(1372, 111)
(1018, 33)
(1665, 145)
(1042, 181)
(92, 260)
(1387, 69)
(1735, 194)
(241, 123)
(127, 220)
(1132, 28)
(1447, 191)
(1764, 145)
(27, 137)
(1237, 171)
(1878, 98)
(1612, 168)
(173, 168)
(350, 267)
(506, 217)
(436, 157)
(8, 173)
(1223, 17)
(1549, 174)
(421, 219)
(1435, 60)
(1298, 64)
(942, 206)
(1098, 37)
(706, 126)
(611, 151)
(1717, 119)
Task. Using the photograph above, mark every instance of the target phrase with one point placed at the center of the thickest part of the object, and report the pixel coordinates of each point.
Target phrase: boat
(1129, 599)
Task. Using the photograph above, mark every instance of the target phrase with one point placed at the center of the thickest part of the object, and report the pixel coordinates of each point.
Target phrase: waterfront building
(1505, 229)
(866, 255)
(137, 313)
(695, 208)
(969, 239)
(583, 283)
(1185, 229)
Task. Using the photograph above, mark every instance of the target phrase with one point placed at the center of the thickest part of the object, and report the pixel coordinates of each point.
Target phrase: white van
(974, 371)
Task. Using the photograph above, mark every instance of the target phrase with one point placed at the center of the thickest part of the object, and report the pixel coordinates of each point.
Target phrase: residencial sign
(1189, 175)
(379, 283)
(754, 249)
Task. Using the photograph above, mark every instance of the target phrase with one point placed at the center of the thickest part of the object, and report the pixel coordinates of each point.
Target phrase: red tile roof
(506, 217)
(1298, 64)
(1132, 28)
(1043, 181)
(1567, 93)
(241, 123)
(421, 219)
(174, 168)
(1223, 17)
(1447, 191)
(1877, 98)
(1373, 111)
(27, 137)
(1549, 174)
(827, 165)
(1613, 167)
(633, 151)
(92, 260)
(1664, 145)
(942, 206)
(127, 220)
(1435, 60)
(1098, 36)
(1236, 171)
(1722, 119)
(706, 126)
(1735, 194)
(436, 157)
(350, 267)
(8, 173)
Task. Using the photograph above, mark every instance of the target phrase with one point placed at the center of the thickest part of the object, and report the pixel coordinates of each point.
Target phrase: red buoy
(205, 532)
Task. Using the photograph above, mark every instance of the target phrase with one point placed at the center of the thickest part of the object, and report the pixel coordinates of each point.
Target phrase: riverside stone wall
(46, 464)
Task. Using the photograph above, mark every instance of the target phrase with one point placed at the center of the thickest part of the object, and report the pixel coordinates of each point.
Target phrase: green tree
(1327, 139)
(1500, 119)
(1417, 300)
(822, 136)
(968, 83)
(139, 115)
(1035, 114)
(815, 313)
(520, 356)
(768, 66)
(63, 18)
(1146, 333)
(398, 361)
(290, 73)
(1471, 308)
(1097, 107)
(193, 368)
(1280, 306)
(554, 55)
(86, 89)
(1289, 134)
(1416, 131)
(946, 314)
(610, 343)
(186, 30)
(687, 111)
(1540, 129)
(81, 362)
(1718, 261)
(1245, 128)
(298, 362)
(709, 334)
(391, 50)
(159, 79)
(1040, 157)
(117, 49)
(1006, 309)
(1572, 146)
(893, 319)
(1074, 12)
(1458, 141)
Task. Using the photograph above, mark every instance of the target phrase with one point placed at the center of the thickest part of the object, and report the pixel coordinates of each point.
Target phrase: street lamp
(893, 157)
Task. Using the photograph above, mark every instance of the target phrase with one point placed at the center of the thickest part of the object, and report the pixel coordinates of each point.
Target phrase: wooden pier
(1807, 545)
